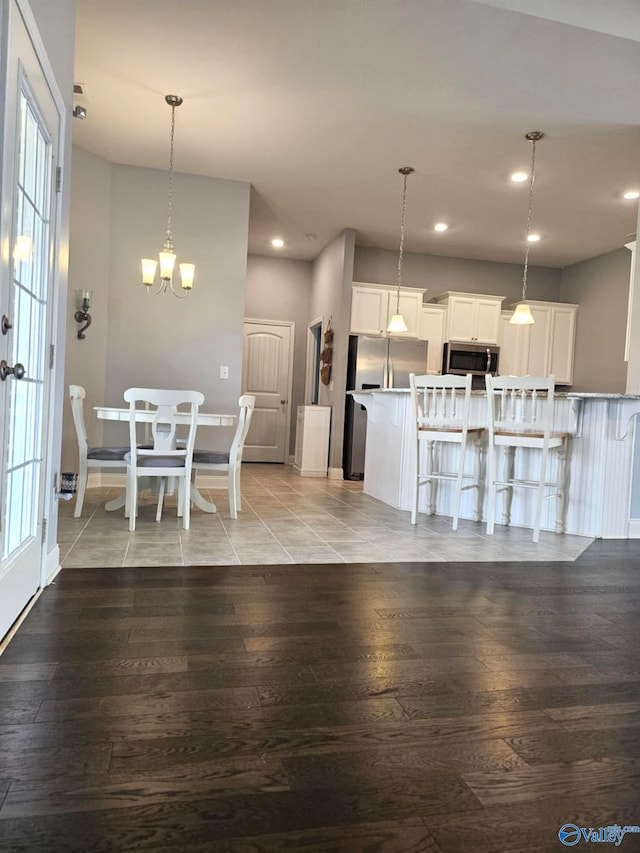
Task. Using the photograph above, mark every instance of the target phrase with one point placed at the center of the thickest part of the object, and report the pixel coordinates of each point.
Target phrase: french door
(32, 121)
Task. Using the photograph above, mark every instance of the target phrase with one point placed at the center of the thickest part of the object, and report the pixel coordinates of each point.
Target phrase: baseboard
(53, 564)
(634, 528)
(336, 474)
(104, 479)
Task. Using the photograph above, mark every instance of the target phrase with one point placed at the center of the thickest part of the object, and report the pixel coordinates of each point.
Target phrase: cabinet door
(562, 345)
(461, 319)
(410, 308)
(514, 347)
(487, 321)
(432, 330)
(369, 311)
(540, 341)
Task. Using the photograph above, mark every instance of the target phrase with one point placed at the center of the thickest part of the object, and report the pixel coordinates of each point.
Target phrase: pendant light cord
(529, 217)
(405, 172)
(173, 129)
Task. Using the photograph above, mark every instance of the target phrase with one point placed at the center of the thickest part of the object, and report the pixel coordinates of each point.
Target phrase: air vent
(78, 89)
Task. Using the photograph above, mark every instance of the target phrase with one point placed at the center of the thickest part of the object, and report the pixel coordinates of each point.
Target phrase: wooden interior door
(267, 371)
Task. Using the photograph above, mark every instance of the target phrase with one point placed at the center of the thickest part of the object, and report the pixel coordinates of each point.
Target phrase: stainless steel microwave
(478, 359)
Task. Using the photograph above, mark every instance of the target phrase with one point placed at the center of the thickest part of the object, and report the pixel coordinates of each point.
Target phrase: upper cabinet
(432, 329)
(472, 317)
(373, 305)
(543, 349)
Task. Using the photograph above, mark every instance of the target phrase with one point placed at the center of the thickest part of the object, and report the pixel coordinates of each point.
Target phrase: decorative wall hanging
(326, 355)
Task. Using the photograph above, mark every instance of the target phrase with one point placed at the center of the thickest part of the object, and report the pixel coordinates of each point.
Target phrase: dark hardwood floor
(385, 707)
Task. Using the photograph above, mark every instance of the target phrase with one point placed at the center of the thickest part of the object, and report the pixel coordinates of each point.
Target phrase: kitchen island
(599, 461)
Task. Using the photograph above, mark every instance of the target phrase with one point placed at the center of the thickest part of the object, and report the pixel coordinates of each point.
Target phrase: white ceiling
(317, 103)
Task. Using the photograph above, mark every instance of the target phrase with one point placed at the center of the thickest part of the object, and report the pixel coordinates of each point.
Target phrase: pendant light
(522, 315)
(397, 322)
(167, 256)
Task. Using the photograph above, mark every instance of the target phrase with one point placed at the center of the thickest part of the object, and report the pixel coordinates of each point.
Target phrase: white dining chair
(521, 418)
(441, 407)
(165, 460)
(89, 457)
(228, 463)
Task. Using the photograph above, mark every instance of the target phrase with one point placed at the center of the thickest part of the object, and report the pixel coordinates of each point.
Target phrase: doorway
(267, 373)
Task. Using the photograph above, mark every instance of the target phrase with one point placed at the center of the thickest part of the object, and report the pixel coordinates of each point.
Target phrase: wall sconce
(83, 301)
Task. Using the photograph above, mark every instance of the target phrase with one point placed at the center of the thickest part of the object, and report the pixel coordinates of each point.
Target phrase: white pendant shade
(149, 266)
(167, 263)
(522, 315)
(187, 272)
(397, 324)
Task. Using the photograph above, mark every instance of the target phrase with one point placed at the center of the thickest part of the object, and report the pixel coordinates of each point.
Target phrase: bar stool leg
(562, 487)
(416, 486)
(509, 467)
(431, 503)
(478, 475)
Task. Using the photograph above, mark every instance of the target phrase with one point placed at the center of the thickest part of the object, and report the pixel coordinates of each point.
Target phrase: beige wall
(89, 268)
(280, 289)
(438, 274)
(600, 286)
(157, 341)
(331, 298)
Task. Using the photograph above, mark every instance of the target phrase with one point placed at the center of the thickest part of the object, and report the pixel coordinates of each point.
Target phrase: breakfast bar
(599, 462)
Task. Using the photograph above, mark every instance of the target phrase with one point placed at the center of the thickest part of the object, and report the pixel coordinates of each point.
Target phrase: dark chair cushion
(158, 461)
(107, 454)
(210, 457)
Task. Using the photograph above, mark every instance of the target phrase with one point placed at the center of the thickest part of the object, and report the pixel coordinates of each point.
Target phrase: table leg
(200, 502)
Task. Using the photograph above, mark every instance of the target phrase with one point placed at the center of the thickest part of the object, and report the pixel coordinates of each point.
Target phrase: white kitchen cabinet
(514, 347)
(372, 306)
(312, 441)
(432, 328)
(544, 348)
(472, 317)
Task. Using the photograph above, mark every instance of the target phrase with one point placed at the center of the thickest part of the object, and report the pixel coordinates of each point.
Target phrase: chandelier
(397, 322)
(167, 256)
(522, 315)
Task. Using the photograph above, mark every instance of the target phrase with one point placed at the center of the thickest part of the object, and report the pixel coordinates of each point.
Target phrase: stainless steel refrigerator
(374, 363)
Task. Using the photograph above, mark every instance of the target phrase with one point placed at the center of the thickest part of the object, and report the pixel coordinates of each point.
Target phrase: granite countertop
(581, 395)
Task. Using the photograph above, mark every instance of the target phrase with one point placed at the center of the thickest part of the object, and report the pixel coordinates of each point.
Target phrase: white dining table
(110, 413)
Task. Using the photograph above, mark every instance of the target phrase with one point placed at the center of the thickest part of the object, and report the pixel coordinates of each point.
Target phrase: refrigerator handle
(390, 376)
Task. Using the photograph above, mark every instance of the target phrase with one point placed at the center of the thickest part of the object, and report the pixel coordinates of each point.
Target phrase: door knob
(17, 370)
(282, 402)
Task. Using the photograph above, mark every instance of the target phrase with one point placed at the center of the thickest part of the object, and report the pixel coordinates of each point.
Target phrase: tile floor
(289, 519)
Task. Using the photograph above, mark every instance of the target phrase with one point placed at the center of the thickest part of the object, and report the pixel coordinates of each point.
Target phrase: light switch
(224, 371)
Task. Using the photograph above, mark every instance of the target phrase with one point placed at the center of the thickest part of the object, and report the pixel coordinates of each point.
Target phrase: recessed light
(519, 177)
(632, 194)
(440, 226)
(277, 243)
(533, 238)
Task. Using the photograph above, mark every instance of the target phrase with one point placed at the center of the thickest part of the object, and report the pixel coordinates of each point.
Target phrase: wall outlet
(224, 371)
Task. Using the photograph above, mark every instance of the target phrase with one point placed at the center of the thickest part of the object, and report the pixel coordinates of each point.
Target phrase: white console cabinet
(472, 317)
(312, 441)
(372, 306)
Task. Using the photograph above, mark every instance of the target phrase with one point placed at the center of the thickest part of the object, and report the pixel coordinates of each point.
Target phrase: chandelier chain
(529, 220)
(170, 200)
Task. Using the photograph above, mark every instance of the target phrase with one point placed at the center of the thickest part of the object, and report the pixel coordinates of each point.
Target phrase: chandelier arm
(175, 292)
(162, 286)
